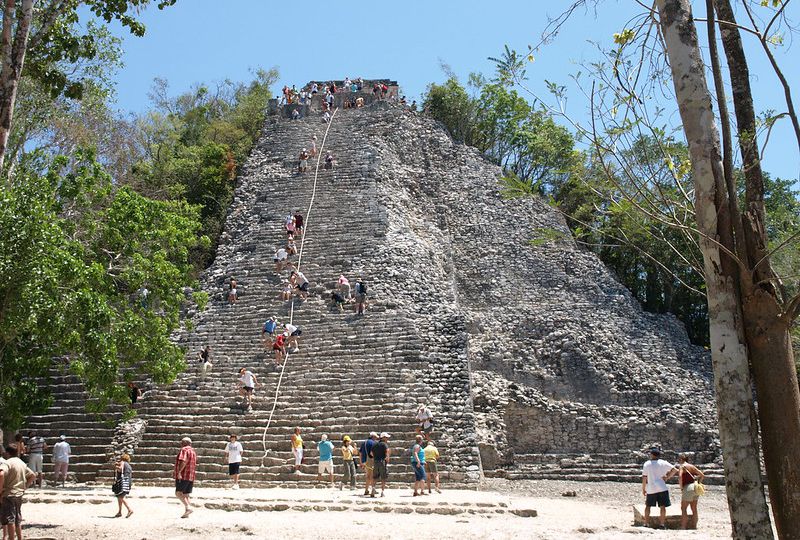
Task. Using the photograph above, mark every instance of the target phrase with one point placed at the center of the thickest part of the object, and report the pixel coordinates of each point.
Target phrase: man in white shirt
(233, 453)
(280, 258)
(655, 474)
(61, 455)
(424, 420)
(249, 382)
(293, 332)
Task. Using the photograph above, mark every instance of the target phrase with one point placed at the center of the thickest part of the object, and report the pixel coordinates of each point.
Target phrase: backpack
(361, 288)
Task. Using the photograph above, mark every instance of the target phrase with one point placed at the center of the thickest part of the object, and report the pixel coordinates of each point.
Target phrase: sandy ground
(599, 511)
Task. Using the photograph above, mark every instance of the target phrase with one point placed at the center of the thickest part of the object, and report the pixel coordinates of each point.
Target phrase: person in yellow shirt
(431, 460)
(348, 451)
(297, 449)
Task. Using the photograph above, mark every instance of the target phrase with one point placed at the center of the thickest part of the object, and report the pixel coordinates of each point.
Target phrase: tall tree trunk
(13, 60)
(766, 330)
(737, 427)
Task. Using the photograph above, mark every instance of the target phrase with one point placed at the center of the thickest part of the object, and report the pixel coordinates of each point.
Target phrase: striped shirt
(36, 445)
(188, 473)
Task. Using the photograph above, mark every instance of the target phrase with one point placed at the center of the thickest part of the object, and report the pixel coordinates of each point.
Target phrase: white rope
(306, 222)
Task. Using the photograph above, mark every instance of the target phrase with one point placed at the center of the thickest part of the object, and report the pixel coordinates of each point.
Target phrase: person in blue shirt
(268, 331)
(325, 448)
(368, 462)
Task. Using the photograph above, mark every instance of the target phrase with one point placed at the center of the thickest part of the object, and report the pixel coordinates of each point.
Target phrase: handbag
(116, 488)
(699, 489)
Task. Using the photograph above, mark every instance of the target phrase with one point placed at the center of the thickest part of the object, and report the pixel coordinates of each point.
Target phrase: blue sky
(207, 40)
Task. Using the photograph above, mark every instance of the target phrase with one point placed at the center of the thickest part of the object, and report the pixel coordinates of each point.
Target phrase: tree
(76, 254)
(47, 36)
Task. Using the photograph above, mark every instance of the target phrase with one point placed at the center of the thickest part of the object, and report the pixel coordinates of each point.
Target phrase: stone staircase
(353, 374)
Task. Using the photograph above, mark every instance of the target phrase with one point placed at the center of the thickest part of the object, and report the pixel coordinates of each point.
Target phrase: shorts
(303, 287)
(35, 463)
(232, 294)
(325, 467)
(276, 347)
(184, 486)
(419, 472)
(431, 467)
(233, 468)
(658, 499)
(248, 389)
(688, 494)
(428, 429)
(11, 510)
(369, 466)
(381, 471)
(297, 333)
(361, 298)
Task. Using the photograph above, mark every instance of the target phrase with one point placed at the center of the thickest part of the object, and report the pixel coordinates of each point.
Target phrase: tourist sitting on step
(286, 291)
(329, 160)
(359, 102)
(300, 283)
(303, 165)
(279, 348)
(295, 114)
(249, 381)
(280, 258)
(291, 247)
(326, 116)
(232, 292)
(298, 223)
(294, 333)
(268, 332)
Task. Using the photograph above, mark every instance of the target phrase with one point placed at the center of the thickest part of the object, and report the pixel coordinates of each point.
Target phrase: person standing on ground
(123, 476)
(61, 455)
(184, 474)
(348, 451)
(325, 448)
(297, 449)
(233, 453)
(36, 448)
(418, 463)
(19, 444)
(380, 453)
(233, 294)
(15, 477)
(655, 474)
(361, 296)
(249, 382)
(431, 465)
(689, 476)
(424, 420)
(368, 462)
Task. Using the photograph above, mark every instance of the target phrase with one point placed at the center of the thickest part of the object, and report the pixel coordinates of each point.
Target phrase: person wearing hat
(431, 466)
(655, 474)
(348, 451)
(184, 473)
(380, 453)
(424, 420)
(61, 454)
(325, 448)
(303, 161)
(368, 462)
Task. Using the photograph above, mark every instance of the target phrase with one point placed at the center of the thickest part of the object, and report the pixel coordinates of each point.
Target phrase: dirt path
(598, 511)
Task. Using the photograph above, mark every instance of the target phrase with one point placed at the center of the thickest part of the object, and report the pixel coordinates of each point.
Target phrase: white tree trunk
(737, 427)
(13, 61)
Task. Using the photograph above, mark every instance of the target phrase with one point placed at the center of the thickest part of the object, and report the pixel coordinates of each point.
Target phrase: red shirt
(188, 473)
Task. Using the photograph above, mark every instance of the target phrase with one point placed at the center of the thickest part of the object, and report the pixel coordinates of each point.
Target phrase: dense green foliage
(604, 207)
(76, 254)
